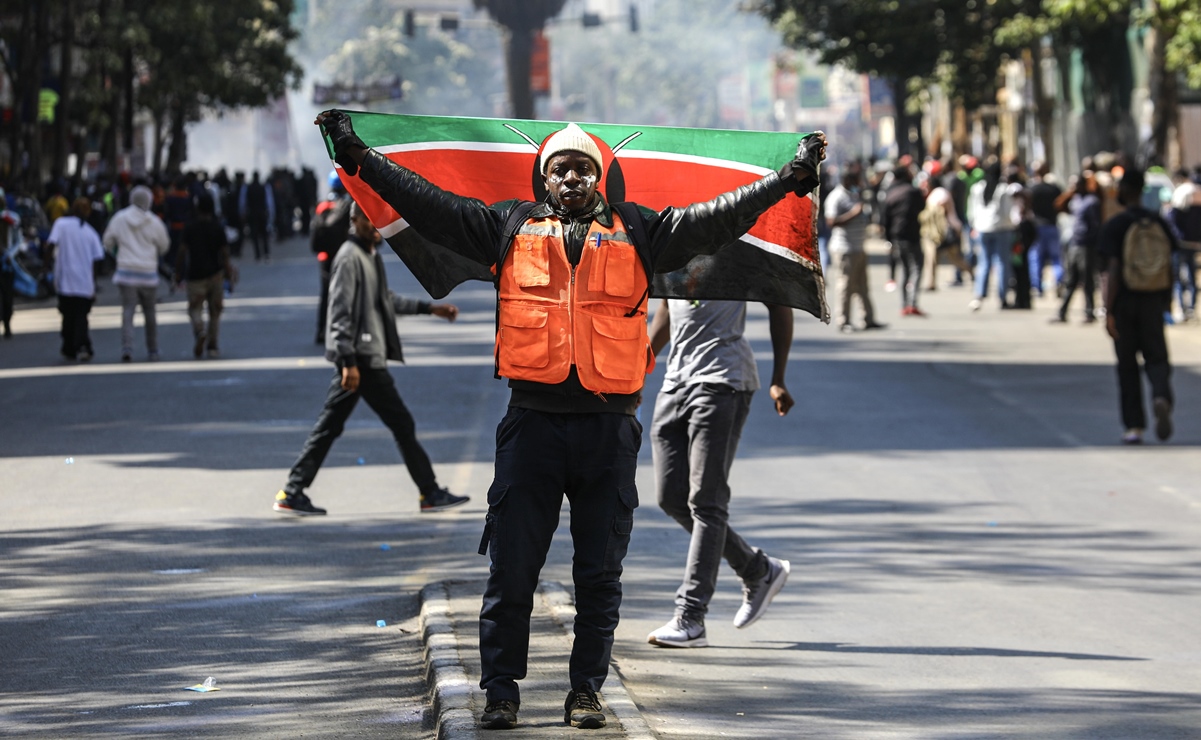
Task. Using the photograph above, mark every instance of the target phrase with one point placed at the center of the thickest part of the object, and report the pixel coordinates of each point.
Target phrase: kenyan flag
(657, 167)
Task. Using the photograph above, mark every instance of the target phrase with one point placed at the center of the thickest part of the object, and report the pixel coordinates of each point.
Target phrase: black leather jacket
(472, 229)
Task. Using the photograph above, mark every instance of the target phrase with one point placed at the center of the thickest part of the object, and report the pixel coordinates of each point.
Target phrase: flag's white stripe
(466, 146)
(393, 228)
(523, 148)
(728, 164)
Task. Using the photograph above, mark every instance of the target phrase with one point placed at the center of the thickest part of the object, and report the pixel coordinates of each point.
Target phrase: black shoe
(874, 325)
(499, 715)
(582, 709)
(297, 504)
(1163, 418)
(440, 500)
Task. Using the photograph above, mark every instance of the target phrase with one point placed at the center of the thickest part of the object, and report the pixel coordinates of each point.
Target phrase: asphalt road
(973, 554)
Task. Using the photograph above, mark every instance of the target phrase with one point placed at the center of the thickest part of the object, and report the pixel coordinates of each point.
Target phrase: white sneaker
(758, 595)
(680, 632)
(974, 304)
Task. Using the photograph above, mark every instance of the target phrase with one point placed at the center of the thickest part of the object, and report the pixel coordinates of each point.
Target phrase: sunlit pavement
(973, 553)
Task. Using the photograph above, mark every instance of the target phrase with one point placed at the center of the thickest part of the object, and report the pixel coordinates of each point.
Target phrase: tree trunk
(33, 173)
(1044, 106)
(1161, 90)
(519, 44)
(178, 150)
(906, 121)
(157, 165)
(62, 122)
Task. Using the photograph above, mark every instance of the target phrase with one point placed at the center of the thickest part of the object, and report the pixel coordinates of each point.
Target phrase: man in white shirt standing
(843, 211)
(75, 247)
(139, 238)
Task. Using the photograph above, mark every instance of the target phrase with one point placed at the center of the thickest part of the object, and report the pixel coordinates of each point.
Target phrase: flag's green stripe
(761, 148)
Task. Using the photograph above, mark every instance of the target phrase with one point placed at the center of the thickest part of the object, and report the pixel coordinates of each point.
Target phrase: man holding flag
(573, 276)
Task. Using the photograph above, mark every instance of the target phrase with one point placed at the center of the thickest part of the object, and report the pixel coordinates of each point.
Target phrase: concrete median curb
(454, 698)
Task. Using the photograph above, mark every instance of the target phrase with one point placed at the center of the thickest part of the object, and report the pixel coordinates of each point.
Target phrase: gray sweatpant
(133, 296)
(694, 437)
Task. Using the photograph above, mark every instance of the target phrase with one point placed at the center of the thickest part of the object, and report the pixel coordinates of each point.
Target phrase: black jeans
(1139, 319)
(377, 388)
(1080, 270)
(540, 457)
(75, 310)
(912, 261)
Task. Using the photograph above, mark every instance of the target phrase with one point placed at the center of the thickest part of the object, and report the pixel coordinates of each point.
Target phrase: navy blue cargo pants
(540, 457)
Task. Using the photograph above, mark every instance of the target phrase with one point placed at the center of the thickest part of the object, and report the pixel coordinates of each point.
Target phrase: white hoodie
(139, 238)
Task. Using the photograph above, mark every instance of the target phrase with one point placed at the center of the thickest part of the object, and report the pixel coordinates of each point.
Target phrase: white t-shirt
(77, 247)
(845, 238)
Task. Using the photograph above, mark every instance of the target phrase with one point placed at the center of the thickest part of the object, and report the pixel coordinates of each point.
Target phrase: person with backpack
(330, 224)
(1137, 247)
(573, 275)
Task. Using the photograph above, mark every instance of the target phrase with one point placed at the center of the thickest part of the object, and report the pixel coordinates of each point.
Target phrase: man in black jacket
(576, 371)
(360, 338)
(902, 205)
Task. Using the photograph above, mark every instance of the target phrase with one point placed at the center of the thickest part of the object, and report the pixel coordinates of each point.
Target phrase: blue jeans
(1044, 252)
(995, 249)
(1186, 281)
(592, 458)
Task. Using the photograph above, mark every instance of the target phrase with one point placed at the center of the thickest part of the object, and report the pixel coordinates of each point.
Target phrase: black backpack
(331, 227)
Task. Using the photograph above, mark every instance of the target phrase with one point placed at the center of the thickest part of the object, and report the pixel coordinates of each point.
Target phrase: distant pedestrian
(1045, 252)
(1080, 263)
(360, 339)
(331, 224)
(139, 239)
(699, 415)
(845, 215)
(257, 206)
(990, 203)
(1184, 214)
(75, 249)
(203, 261)
(10, 223)
(942, 233)
(1136, 246)
(902, 228)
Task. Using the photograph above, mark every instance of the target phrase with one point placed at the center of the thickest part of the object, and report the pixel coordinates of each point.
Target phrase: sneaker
(499, 715)
(582, 709)
(1163, 418)
(874, 325)
(890, 286)
(975, 304)
(440, 500)
(84, 356)
(846, 328)
(907, 311)
(126, 357)
(758, 595)
(214, 353)
(915, 311)
(296, 503)
(198, 346)
(1132, 437)
(1057, 320)
(681, 632)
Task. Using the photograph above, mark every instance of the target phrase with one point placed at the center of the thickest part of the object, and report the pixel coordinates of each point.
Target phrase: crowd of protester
(1010, 232)
(254, 209)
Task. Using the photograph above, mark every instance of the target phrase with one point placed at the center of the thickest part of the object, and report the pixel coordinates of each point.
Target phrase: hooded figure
(139, 239)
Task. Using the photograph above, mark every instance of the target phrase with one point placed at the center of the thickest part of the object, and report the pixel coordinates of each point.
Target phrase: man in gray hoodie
(138, 238)
(360, 338)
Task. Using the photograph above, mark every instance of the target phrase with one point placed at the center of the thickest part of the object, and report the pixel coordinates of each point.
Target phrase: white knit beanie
(142, 197)
(571, 139)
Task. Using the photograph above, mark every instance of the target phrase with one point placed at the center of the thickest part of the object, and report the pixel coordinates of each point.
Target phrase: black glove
(809, 155)
(341, 134)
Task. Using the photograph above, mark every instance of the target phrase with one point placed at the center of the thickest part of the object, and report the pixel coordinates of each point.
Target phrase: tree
(895, 40)
(520, 18)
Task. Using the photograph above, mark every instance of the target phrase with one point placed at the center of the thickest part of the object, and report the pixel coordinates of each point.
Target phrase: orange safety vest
(594, 317)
